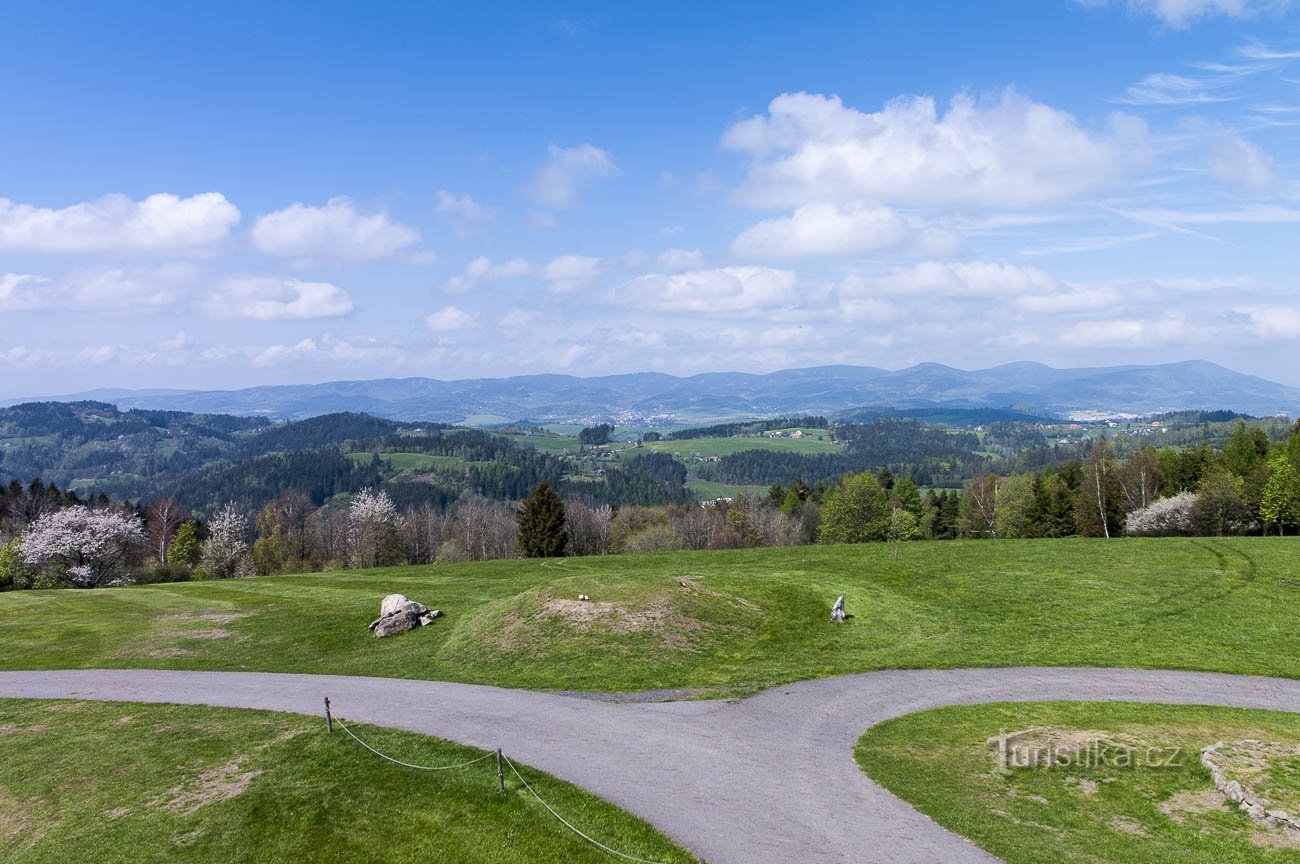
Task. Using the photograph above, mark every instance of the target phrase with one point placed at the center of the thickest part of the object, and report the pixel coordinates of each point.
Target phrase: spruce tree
(541, 524)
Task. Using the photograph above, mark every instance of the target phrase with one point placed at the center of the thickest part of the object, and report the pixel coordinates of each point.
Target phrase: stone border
(1243, 796)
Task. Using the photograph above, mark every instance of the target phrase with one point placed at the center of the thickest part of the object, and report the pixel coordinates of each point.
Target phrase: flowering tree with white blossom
(374, 529)
(87, 548)
(225, 552)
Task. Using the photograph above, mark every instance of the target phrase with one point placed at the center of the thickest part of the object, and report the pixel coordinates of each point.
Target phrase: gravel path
(765, 779)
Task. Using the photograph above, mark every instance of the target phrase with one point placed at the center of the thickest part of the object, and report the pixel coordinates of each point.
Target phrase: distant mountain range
(651, 397)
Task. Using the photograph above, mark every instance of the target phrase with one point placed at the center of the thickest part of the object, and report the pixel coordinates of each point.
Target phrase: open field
(129, 782)
(707, 490)
(1155, 806)
(817, 441)
(411, 461)
(736, 620)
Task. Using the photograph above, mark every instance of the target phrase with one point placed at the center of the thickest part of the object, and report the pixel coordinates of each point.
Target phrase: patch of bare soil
(1276, 839)
(210, 787)
(201, 618)
(666, 615)
(1127, 826)
(14, 820)
(1184, 804)
(117, 813)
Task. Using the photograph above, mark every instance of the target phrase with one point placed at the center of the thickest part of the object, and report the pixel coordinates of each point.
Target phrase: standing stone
(837, 611)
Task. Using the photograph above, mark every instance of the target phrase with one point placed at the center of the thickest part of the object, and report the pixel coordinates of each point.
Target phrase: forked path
(765, 779)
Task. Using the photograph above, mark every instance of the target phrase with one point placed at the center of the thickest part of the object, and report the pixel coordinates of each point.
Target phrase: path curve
(770, 778)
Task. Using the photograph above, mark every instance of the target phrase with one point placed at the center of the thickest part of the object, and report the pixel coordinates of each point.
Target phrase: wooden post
(329, 719)
(501, 777)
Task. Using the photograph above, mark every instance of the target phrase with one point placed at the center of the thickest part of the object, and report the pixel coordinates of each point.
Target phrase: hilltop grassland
(132, 783)
(723, 621)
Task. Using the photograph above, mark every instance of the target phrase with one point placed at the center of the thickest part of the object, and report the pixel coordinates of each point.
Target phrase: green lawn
(744, 619)
(1145, 812)
(126, 782)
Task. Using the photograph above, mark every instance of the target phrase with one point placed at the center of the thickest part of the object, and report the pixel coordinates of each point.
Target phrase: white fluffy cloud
(335, 230)
(748, 290)
(968, 278)
(1273, 322)
(566, 170)
(823, 230)
(161, 223)
(571, 272)
(21, 292)
(271, 298)
(482, 268)
(1008, 151)
(463, 212)
(117, 290)
(448, 319)
(1127, 332)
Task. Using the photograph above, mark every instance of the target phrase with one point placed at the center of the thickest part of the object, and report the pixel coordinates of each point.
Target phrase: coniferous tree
(541, 524)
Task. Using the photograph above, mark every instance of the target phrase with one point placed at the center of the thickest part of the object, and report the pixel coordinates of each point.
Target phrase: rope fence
(331, 719)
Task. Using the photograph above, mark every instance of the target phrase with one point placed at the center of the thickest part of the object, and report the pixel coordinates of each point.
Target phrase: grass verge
(129, 782)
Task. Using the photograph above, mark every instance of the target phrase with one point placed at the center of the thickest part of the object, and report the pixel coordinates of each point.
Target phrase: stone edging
(1243, 796)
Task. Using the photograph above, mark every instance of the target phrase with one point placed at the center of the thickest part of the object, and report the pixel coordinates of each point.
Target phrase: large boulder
(397, 614)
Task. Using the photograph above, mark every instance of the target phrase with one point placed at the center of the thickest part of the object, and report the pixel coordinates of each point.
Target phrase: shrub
(1168, 517)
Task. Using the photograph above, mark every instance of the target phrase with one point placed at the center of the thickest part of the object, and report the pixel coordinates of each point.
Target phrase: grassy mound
(123, 782)
(745, 619)
(1133, 790)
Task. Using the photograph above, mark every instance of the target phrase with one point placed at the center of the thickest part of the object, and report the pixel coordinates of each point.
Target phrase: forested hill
(205, 460)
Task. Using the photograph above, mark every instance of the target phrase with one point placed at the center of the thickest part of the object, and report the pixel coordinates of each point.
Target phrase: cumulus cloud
(571, 272)
(161, 223)
(824, 229)
(448, 319)
(1003, 152)
(748, 290)
(1126, 332)
(335, 230)
(272, 298)
(1273, 322)
(116, 290)
(482, 268)
(566, 170)
(21, 292)
(463, 212)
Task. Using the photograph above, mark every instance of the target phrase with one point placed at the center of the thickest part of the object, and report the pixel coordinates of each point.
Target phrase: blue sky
(222, 195)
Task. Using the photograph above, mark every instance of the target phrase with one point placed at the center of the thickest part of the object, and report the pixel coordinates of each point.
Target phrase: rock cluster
(1244, 797)
(397, 614)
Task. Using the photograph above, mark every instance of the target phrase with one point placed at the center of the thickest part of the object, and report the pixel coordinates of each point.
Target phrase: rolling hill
(652, 397)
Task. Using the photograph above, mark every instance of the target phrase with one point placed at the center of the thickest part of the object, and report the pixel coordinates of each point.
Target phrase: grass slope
(123, 782)
(1147, 812)
(734, 619)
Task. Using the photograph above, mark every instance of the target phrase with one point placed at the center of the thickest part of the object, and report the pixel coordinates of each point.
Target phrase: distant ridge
(643, 397)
